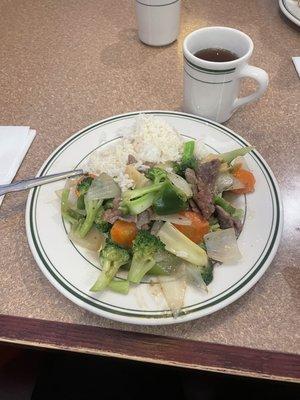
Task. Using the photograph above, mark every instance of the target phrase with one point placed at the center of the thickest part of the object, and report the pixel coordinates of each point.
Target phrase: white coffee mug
(158, 21)
(211, 89)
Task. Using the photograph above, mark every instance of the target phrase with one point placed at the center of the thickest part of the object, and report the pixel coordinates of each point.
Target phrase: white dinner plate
(291, 10)
(73, 270)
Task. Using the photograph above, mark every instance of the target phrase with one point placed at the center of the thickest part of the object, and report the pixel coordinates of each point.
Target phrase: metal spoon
(30, 183)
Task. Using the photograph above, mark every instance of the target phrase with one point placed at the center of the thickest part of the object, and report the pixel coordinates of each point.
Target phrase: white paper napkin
(296, 61)
(14, 144)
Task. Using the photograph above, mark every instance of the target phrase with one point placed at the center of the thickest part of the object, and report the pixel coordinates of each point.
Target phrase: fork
(32, 182)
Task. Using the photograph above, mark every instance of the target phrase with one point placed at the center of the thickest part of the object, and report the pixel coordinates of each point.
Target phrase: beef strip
(149, 164)
(227, 221)
(156, 227)
(131, 159)
(144, 219)
(193, 207)
(202, 195)
(111, 215)
(208, 172)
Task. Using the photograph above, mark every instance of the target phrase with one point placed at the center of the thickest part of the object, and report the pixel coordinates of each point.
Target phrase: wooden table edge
(150, 348)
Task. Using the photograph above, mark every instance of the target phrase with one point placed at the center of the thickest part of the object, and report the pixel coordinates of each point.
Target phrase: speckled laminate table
(65, 64)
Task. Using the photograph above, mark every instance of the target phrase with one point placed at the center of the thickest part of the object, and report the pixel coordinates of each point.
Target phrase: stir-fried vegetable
(181, 184)
(231, 155)
(194, 276)
(169, 200)
(173, 288)
(117, 286)
(93, 241)
(136, 201)
(197, 228)
(92, 208)
(123, 233)
(234, 212)
(222, 246)
(101, 224)
(145, 247)
(239, 162)
(158, 269)
(83, 185)
(138, 178)
(112, 257)
(156, 174)
(224, 182)
(81, 189)
(68, 213)
(207, 273)
(102, 187)
(177, 218)
(188, 159)
(180, 245)
(247, 179)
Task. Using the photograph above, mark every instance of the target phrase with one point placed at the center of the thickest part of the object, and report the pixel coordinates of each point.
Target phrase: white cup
(211, 89)
(158, 21)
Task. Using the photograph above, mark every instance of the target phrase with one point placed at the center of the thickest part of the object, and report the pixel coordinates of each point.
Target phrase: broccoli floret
(207, 273)
(92, 208)
(117, 286)
(145, 248)
(81, 189)
(83, 185)
(68, 213)
(102, 225)
(112, 257)
(136, 201)
(188, 159)
(157, 175)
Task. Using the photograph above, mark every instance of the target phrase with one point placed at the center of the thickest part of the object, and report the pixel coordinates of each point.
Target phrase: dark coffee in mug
(216, 55)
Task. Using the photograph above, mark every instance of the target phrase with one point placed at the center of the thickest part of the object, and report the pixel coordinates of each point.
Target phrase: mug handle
(248, 71)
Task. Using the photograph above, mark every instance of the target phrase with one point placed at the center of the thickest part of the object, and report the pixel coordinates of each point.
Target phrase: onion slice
(237, 184)
(93, 241)
(103, 187)
(193, 275)
(222, 246)
(181, 184)
(173, 219)
(224, 181)
(71, 182)
(138, 179)
(181, 246)
(240, 161)
(173, 289)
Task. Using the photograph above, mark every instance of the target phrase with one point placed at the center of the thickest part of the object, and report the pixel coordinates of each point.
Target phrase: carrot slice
(247, 179)
(197, 229)
(123, 233)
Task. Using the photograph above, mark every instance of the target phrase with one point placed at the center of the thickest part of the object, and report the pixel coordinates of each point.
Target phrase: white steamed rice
(152, 139)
